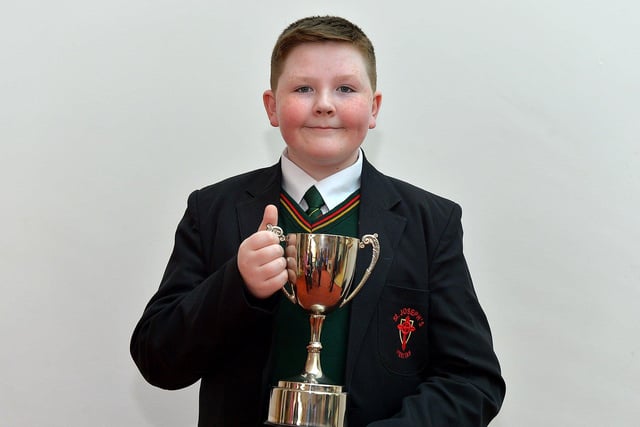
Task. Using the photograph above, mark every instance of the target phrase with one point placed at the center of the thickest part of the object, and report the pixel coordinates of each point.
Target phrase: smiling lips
(321, 128)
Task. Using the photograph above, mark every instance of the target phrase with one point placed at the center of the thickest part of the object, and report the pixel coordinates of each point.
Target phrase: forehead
(312, 58)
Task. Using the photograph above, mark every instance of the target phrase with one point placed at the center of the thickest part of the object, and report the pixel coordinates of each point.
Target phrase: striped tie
(315, 202)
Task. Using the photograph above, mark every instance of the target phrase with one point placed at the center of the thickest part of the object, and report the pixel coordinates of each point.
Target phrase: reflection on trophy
(321, 269)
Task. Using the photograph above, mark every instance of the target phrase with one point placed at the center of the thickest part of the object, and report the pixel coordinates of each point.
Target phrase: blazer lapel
(377, 198)
(264, 190)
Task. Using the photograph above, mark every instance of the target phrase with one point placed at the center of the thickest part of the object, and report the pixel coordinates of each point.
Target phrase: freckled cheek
(292, 114)
(356, 116)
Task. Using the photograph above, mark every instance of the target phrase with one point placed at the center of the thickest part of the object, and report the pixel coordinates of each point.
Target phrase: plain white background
(526, 113)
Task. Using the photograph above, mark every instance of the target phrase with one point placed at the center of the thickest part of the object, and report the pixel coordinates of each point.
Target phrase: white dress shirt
(334, 189)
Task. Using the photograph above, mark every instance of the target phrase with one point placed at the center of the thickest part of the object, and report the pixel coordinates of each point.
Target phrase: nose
(324, 104)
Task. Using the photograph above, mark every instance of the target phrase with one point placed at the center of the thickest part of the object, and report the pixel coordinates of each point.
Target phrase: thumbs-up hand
(260, 258)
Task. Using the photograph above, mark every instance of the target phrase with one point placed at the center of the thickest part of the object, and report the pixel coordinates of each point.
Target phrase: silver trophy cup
(321, 269)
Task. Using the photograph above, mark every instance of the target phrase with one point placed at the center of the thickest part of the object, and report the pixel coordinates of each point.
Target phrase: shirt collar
(334, 188)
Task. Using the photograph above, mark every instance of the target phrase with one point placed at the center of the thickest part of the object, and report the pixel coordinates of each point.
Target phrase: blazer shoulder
(238, 186)
(413, 191)
(413, 197)
(243, 180)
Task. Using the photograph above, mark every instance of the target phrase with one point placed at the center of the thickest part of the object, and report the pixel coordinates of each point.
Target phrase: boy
(412, 349)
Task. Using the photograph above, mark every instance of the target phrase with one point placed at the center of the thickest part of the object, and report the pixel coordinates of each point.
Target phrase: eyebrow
(351, 76)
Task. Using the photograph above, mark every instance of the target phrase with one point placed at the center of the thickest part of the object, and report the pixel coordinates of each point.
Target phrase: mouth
(322, 128)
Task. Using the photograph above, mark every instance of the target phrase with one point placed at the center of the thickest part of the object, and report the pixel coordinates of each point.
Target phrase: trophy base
(310, 405)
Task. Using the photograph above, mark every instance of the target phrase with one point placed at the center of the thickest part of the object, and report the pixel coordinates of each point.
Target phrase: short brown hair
(317, 29)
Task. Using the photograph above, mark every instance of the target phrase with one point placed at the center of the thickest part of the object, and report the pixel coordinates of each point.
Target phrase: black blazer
(202, 325)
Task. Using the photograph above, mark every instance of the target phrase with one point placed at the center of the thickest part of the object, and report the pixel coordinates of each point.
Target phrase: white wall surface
(525, 112)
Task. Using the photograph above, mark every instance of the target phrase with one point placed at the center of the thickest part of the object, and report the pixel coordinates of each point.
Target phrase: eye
(345, 89)
(303, 89)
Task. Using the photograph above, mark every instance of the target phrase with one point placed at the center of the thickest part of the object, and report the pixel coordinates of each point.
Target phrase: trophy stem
(310, 402)
(312, 368)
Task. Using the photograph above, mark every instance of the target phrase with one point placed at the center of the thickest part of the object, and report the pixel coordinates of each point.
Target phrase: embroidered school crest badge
(407, 321)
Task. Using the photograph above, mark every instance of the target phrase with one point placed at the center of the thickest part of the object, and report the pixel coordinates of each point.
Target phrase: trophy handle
(279, 232)
(367, 239)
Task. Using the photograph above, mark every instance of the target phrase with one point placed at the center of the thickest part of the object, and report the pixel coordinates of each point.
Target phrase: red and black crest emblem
(408, 321)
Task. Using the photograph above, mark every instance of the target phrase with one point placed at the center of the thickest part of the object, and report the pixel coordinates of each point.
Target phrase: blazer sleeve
(200, 308)
(462, 385)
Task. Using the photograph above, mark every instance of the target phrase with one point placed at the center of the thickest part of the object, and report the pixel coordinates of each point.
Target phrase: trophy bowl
(321, 270)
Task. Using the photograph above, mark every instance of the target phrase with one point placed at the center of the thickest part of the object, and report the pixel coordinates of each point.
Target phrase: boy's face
(324, 106)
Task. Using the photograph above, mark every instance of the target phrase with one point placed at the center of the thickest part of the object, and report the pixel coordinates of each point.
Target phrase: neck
(320, 171)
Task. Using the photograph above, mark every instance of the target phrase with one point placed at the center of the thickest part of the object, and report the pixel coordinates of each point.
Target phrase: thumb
(270, 216)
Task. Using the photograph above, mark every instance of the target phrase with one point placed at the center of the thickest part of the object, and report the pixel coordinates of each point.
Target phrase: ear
(269, 101)
(375, 108)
